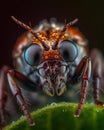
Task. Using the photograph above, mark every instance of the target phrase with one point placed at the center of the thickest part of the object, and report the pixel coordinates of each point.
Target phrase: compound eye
(68, 50)
(33, 54)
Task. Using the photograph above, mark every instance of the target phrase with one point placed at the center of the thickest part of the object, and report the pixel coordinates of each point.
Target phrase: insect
(48, 58)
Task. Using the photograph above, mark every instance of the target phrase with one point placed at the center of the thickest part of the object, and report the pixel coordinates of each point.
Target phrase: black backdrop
(89, 12)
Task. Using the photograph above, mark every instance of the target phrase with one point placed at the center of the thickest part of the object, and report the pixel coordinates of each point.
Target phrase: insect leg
(84, 67)
(14, 76)
(11, 76)
(97, 74)
(3, 96)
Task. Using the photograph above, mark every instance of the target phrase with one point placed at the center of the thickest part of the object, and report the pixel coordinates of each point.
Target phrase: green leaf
(61, 117)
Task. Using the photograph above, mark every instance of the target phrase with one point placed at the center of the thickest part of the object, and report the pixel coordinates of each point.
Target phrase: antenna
(63, 30)
(46, 47)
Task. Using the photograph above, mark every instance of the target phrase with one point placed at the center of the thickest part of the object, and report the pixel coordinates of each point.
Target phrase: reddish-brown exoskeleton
(49, 57)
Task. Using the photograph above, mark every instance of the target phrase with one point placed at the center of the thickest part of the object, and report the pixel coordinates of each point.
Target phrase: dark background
(90, 14)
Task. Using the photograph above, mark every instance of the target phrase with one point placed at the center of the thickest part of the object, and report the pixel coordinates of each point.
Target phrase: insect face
(50, 53)
(52, 64)
(53, 70)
